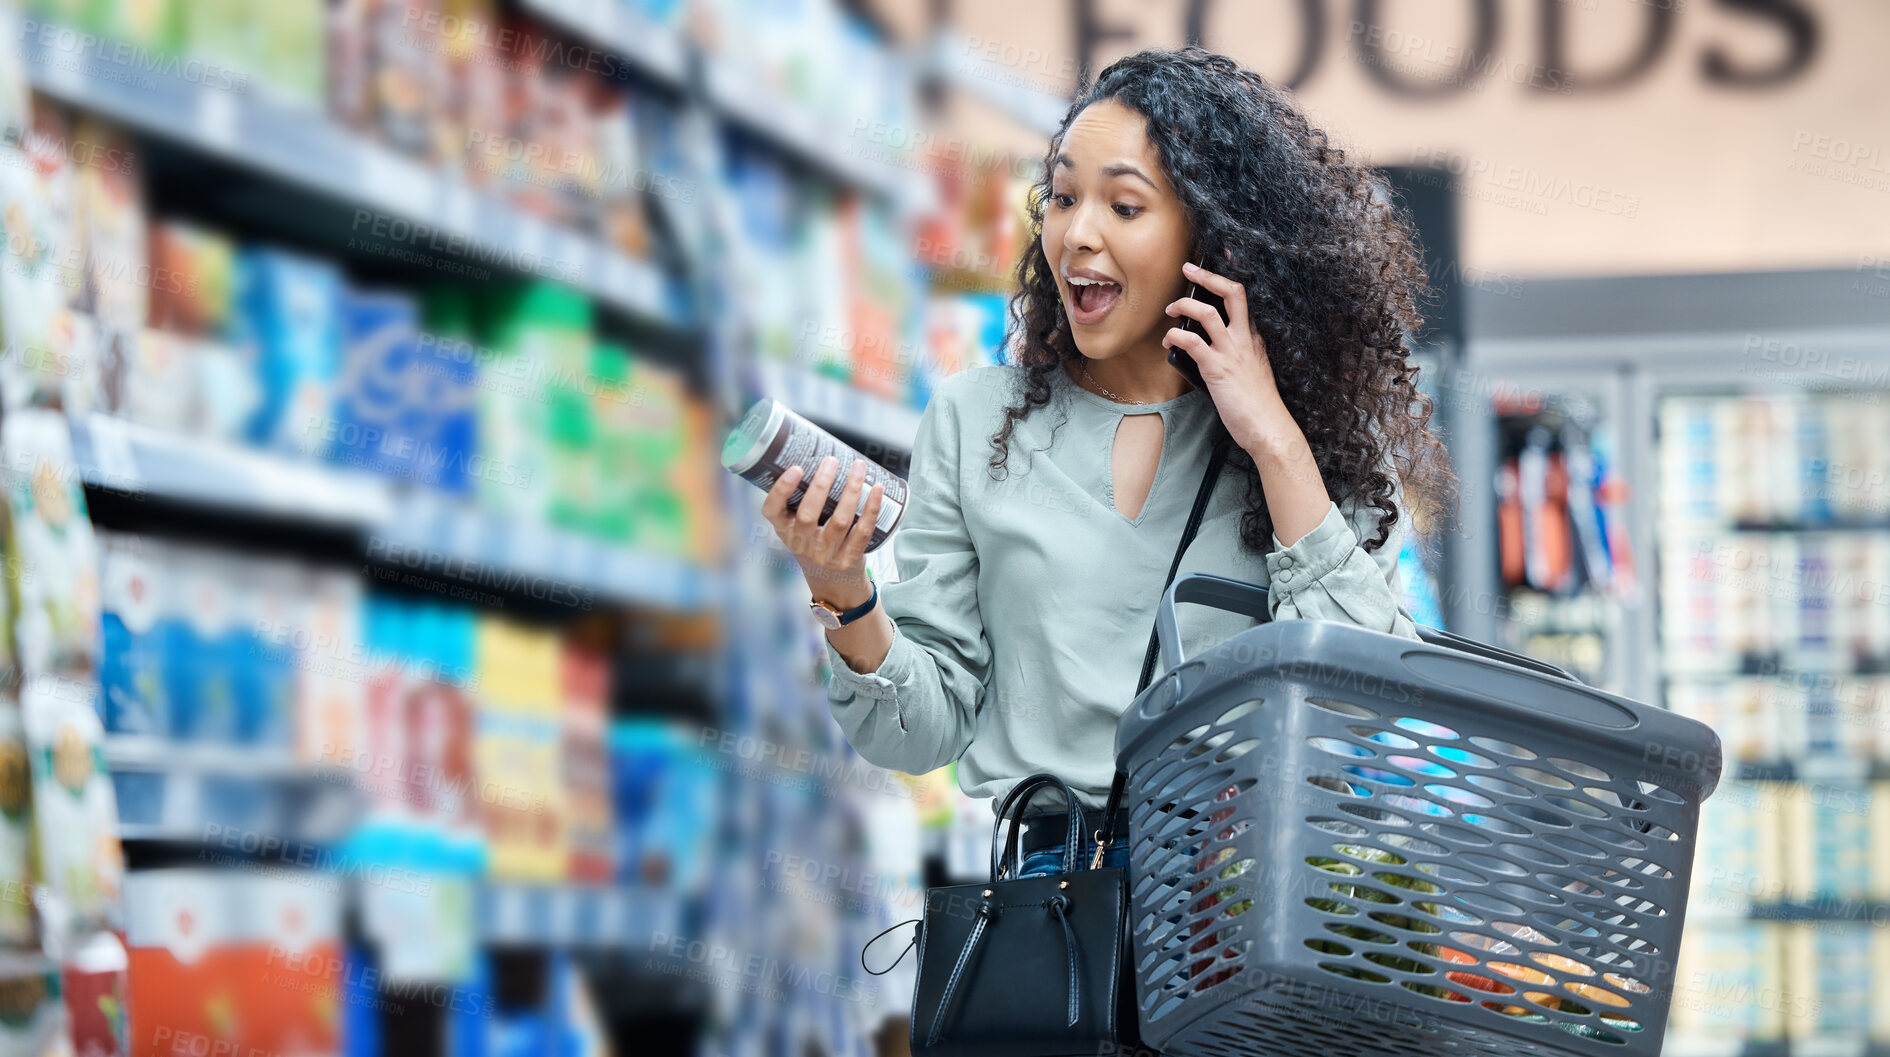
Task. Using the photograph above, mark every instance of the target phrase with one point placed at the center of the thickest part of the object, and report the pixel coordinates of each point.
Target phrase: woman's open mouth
(1091, 299)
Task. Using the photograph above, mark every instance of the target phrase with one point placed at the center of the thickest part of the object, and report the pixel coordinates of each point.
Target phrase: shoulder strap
(1201, 497)
(1206, 492)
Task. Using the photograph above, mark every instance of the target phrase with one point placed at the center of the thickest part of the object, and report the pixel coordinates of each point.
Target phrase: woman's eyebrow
(1118, 169)
(1125, 169)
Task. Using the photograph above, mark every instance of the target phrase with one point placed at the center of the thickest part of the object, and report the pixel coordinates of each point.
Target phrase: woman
(1048, 495)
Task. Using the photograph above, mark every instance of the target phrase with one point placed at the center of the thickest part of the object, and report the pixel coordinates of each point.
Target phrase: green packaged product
(292, 36)
(153, 25)
(613, 500)
(573, 449)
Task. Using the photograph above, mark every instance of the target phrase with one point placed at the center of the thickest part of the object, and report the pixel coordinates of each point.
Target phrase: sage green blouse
(1023, 606)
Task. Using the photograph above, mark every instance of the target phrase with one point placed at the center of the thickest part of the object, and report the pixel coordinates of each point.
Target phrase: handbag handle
(1019, 798)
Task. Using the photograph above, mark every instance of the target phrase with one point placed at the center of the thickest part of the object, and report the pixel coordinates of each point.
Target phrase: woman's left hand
(1233, 362)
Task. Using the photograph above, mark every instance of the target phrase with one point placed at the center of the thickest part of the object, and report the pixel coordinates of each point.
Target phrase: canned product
(771, 437)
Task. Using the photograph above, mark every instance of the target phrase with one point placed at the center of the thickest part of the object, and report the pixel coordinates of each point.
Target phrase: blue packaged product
(136, 619)
(662, 789)
(380, 334)
(288, 310)
(205, 650)
(266, 685)
(405, 406)
(449, 376)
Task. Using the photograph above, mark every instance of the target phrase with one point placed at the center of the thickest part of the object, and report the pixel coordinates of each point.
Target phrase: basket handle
(1234, 596)
(1239, 596)
(1440, 637)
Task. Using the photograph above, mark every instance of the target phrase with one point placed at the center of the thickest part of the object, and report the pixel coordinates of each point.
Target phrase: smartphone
(1179, 359)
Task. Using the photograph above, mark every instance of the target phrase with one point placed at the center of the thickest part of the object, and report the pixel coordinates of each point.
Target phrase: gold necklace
(1105, 392)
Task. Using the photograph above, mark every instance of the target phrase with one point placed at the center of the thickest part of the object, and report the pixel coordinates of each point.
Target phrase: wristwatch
(831, 616)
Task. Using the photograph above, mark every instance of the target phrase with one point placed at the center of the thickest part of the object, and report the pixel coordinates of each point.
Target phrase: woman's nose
(1082, 233)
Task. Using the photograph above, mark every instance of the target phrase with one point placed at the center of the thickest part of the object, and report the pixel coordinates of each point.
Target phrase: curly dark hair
(1331, 265)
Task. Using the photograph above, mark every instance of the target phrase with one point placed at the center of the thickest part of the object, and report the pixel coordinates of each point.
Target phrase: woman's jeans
(1046, 861)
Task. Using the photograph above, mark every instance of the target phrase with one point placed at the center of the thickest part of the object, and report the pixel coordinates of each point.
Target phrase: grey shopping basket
(1347, 842)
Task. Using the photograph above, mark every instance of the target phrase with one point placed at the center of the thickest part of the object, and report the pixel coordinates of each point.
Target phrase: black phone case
(1178, 358)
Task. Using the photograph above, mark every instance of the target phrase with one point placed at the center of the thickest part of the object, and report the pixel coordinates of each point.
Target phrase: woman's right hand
(832, 556)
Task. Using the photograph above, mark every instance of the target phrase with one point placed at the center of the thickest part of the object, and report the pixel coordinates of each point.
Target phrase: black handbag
(1026, 967)
(1037, 966)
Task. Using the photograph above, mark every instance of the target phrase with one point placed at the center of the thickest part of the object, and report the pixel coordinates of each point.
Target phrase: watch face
(826, 617)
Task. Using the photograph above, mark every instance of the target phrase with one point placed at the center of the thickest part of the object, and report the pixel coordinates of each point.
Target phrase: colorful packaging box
(405, 408)
(75, 813)
(287, 962)
(586, 765)
(291, 315)
(182, 928)
(332, 718)
(138, 617)
(17, 924)
(53, 554)
(207, 649)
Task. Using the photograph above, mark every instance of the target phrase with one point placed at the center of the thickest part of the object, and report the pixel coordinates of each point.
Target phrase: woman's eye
(1127, 212)
(1064, 201)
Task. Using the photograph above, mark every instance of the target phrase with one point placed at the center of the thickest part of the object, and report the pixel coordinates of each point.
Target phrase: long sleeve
(919, 709)
(1327, 575)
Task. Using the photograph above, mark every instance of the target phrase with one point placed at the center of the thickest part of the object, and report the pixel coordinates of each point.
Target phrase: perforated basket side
(1304, 849)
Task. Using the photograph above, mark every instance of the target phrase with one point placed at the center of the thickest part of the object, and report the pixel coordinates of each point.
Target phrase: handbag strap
(1019, 799)
(1119, 784)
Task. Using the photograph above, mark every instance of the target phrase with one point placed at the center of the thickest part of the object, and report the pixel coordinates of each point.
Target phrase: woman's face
(1114, 233)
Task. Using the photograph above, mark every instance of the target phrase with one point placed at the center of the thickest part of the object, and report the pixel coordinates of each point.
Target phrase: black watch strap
(862, 609)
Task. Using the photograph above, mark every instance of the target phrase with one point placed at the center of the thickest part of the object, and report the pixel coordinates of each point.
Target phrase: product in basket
(771, 437)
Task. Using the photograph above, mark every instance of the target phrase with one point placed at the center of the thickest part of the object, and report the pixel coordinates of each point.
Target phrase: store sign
(1384, 53)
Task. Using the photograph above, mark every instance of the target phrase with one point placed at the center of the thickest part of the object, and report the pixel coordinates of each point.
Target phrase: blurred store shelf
(129, 457)
(1857, 911)
(579, 915)
(444, 526)
(959, 60)
(802, 133)
(397, 523)
(655, 50)
(837, 403)
(301, 147)
(139, 752)
(226, 797)
(1819, 1046)
(1811, 769)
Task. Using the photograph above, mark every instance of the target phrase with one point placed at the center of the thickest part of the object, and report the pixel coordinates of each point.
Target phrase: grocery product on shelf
(403, 409)
(290, 310)
(585, 765)
(139, 618)
(466, 752)
(17, 924)
(234, 958)
(36, 1017)
(1772, 537)
(963, 331)
(15, 98)
(664, 794)
(1565, 562)
(93, 981)
(207, 649)
(519, 748)
(1719, 972)
(52, 354)
(75, 815)
(52, 554)
(1771, 555)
